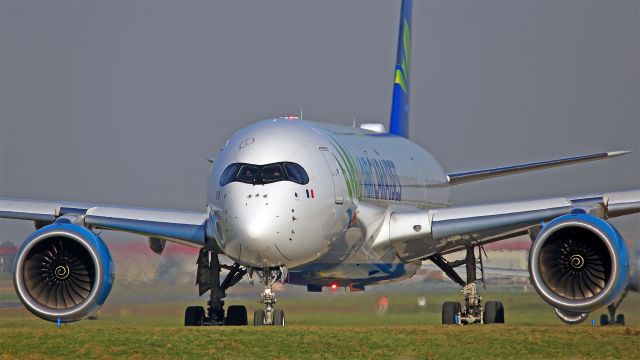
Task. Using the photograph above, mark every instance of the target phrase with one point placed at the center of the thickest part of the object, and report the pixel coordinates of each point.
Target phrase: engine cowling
(579, 263)
(63, 271)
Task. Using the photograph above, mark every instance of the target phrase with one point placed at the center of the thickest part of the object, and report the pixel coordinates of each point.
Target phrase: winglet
(475, 175)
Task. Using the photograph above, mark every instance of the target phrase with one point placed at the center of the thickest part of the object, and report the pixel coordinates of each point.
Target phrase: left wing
(183, 227)
(418, 234)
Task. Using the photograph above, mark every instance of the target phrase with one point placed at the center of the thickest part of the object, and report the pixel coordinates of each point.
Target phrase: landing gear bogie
(208, 279)
(612, 318)
(472, 311)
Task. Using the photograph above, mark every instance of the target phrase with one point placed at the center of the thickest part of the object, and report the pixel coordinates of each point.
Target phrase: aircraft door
(336, 176)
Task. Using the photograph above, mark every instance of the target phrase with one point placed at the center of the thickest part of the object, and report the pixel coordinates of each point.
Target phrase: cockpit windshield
(264, 174)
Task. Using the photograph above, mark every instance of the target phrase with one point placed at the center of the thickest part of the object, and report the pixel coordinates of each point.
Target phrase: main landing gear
(472, 311)
(612, 319)
(208, 278)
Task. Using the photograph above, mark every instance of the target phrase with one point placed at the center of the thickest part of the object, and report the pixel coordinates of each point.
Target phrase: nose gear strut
(269, 316)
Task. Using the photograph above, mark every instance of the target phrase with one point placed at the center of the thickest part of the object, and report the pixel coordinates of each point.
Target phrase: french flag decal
(310, 194)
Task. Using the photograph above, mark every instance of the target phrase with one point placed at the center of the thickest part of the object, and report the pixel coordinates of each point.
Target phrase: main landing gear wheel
(604, 320)
(193, 316)
(450, 312)
(236, 315)
(493, 313)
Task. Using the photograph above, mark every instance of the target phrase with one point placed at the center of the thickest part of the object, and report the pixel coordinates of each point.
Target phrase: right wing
(418, 234)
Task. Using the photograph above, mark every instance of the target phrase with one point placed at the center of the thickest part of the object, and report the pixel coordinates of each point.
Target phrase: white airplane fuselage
(322, 231)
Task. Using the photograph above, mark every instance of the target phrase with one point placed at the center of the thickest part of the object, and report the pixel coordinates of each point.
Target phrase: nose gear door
(338, 183)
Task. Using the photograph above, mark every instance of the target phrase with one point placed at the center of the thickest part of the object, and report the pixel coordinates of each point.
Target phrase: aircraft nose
(257, 220)
(272, 226)
(256, 228)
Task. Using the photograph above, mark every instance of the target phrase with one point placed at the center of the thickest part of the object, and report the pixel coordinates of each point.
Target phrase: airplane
(321, 205)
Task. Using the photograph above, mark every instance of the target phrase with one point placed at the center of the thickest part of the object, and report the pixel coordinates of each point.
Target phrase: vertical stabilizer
(399, 122)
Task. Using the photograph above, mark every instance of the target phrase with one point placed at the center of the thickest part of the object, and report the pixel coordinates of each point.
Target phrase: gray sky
(121, 102)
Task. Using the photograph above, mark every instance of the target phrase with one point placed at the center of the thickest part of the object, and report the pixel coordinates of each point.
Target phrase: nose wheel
(269, 316)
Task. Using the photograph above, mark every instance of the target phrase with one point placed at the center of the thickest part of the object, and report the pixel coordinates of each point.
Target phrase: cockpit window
(264, 174)
(296, 173)
(248, 174)
(229, 174)
(272, 173)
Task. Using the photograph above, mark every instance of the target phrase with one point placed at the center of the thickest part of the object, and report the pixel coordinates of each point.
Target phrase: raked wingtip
(618, 153)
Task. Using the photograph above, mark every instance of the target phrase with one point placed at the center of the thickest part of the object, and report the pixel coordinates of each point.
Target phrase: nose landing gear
(208, 278)
(269, 316)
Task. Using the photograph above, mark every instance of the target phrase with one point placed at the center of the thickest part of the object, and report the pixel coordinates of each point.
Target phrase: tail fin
(399, 122)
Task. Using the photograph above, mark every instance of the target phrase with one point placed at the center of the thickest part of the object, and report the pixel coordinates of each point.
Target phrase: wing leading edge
(183, 227)
(475, 175)
(421, 233)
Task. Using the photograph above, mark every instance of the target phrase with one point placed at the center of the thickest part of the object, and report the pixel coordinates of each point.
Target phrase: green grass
(326, 325)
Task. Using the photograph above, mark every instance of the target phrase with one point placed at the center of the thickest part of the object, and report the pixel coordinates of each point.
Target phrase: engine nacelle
(63, 271)
(578, 264)
(570, 317)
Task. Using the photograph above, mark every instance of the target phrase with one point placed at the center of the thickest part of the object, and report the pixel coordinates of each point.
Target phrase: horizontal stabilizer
(475, 175)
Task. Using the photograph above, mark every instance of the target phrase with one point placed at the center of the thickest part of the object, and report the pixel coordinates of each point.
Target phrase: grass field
(326, 325)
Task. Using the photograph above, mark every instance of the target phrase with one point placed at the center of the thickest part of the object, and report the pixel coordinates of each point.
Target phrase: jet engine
(578, 263)
(63, 272)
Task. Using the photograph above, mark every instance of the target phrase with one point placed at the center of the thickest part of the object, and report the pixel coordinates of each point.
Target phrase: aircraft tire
(500, 314)
(193, 316)
(450, 309)
(278, 318)
(258, 318)
(604, 320)
(492, 312)
(620, 319)
(236, 315)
